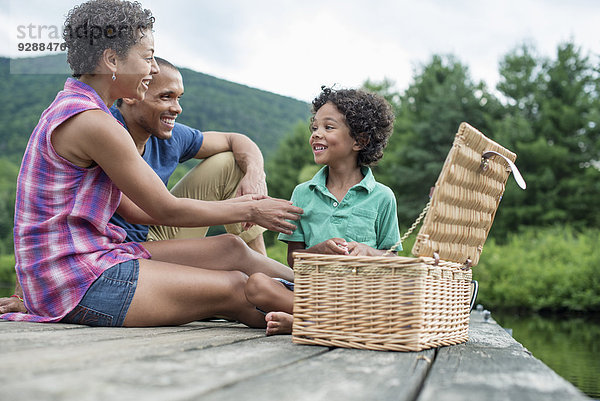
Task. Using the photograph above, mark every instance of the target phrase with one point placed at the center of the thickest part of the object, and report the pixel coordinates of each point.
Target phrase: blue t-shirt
(163, 155)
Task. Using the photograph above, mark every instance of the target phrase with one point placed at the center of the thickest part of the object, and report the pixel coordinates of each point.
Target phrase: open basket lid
(465, 198)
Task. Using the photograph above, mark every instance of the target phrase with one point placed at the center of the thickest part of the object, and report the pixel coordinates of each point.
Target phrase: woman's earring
(114, 77)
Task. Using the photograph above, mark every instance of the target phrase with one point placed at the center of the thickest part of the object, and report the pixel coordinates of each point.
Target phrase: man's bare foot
(279, 323)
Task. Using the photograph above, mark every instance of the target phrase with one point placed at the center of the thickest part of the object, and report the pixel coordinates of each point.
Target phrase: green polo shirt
(367, 214)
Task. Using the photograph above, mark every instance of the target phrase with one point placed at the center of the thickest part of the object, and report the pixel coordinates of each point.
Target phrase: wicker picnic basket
(406, 303)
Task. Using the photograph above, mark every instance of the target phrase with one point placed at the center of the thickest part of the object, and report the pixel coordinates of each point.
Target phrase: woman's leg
(170, 294)
(222, 252)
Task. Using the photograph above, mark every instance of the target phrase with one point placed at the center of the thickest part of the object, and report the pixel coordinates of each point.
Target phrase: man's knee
(215, 178)
(226, 159)
(222, 164)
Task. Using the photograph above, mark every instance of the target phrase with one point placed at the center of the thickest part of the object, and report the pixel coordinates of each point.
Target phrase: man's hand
(252, 184)
(12, 304)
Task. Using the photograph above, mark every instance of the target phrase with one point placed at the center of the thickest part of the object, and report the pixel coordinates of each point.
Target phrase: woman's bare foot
(12, 304)
(279, 323)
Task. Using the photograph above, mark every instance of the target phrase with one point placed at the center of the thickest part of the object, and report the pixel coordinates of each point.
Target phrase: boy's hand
(358, 249)
(332, 246)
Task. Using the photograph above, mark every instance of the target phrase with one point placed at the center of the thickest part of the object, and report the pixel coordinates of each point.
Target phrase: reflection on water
(569, 345)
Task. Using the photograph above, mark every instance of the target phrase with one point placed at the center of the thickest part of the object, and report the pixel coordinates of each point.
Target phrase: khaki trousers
(215, 178)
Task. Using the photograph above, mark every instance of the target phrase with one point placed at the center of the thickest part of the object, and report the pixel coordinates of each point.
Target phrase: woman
(71, 263)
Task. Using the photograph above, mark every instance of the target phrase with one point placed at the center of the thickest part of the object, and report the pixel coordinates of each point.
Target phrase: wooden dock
(227, 361)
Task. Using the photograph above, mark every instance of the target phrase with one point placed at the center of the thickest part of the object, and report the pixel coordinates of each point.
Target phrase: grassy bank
(7, 275)
(553, 269)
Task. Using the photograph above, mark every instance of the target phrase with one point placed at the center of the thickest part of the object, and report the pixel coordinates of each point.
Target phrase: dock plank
(340, 374)
(224, 361)
(64, 356)
(172, 365)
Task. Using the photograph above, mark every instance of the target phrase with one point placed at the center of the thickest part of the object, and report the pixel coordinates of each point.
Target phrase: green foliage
(278, 251)
(7, 275)
(30, 96)
(8, 179)
(290, 163)
(209, 104)
(552, 123)
(212, 104)
(429, 113)
(554, 268)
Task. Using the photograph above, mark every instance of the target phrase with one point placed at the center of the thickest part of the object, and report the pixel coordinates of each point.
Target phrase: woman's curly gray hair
(369, 116)
(97, 25)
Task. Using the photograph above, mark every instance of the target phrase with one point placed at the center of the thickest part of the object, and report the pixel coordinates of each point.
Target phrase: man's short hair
(162, 63)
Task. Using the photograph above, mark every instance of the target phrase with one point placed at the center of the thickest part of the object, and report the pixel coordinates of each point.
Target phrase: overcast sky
(292, 47)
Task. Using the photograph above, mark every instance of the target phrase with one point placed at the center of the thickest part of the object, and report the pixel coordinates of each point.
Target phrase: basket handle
(513, 167)
(410, 230)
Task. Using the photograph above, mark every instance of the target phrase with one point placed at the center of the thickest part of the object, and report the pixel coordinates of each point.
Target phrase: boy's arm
(294, 247)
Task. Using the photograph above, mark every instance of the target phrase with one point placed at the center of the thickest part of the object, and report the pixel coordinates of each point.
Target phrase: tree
(8, 179)
(552, 123)
(441, 97)
(285, 167)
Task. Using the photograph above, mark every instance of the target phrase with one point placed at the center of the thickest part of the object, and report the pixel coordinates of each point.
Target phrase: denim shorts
(107, 300)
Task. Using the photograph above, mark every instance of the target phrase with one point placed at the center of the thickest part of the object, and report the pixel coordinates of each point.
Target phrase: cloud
(292, 47)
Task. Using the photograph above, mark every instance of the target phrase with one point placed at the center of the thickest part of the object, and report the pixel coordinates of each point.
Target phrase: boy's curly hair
(97, 25)
(369, 116)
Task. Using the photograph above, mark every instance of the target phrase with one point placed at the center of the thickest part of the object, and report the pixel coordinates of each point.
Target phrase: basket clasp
(484, 166)
(436, 259)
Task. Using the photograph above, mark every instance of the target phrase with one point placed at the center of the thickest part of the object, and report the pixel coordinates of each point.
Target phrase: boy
(346, 211)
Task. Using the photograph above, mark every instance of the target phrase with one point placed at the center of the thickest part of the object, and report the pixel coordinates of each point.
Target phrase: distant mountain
(209, 103)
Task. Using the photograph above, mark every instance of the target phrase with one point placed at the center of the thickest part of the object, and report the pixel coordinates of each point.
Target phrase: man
(232, 164)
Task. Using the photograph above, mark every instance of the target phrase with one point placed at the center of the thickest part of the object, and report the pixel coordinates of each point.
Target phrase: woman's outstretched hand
(272, 214)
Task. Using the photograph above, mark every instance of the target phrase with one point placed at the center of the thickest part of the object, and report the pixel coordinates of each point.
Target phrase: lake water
(570, 345)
